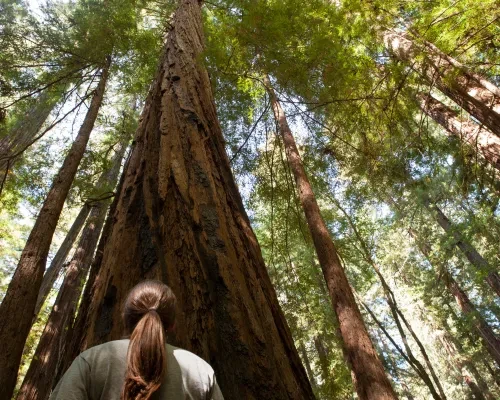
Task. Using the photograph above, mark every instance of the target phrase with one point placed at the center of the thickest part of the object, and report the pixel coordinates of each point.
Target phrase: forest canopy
(318, 181)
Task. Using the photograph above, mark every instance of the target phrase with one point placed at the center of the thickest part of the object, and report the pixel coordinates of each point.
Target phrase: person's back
(144, 367)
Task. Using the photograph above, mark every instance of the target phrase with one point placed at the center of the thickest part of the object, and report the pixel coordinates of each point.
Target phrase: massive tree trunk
(370, 380)
(490, 341)
(57, 262)
(25, 284)
(474, 94)
(492, 277)
(467, 131)
(39, 378)
(180, 217)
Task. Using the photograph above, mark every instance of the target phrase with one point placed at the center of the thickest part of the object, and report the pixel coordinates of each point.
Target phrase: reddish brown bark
(473, 93)
(468, 132)
(491, 342)
(179, 217)
(25, 284)
(39, 378)
(492, 277)
(370, 380)
(57, 262)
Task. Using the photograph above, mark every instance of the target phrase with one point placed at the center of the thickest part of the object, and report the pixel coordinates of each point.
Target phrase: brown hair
(148, 312)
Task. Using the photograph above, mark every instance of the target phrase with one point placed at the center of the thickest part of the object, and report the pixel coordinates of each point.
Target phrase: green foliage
(371, 156)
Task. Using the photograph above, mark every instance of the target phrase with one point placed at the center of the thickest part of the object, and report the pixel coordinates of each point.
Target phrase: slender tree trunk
(393, 366)
(307, 364)
(369, 376)
(78, 328)
(180, 217)
(456, 362)
(39, 378)
(494, 372)
(57, 263)
(25, 284)
(323, 357)
(26, 128)
(467, 131)
(492, 278)
(392, 303)
(491, 342)
(407, 354)
(474, 94)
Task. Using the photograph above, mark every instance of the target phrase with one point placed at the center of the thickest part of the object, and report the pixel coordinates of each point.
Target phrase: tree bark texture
(179, 217)
(370, 380)
(492, 277)
(25, 284)
(468, 132)
(57, 262)
(473, 93)
(490, 340)
(39, 378)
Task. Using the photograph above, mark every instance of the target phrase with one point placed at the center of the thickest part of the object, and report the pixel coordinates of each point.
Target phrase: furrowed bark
(57, 263)
(370, 380)
(39, 378)
(25, 284)
(474, 94)
(490, 340)
(468, 132)
(179, 217)
(492, 277)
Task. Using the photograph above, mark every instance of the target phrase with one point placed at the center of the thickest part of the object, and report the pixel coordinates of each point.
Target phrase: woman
(144, 366)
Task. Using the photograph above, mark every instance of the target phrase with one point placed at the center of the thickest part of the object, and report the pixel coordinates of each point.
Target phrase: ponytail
(149, 311)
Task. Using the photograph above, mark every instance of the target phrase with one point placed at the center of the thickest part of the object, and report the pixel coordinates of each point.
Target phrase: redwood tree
(39, 378)
(57, 262)
(467, 131)
(25, 284)
(369, 378)
(476, 95)
(490, 340)
(179, 217)
(477, 260)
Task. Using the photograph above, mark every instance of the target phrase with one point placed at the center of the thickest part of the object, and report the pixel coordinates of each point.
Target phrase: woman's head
(148, 312)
